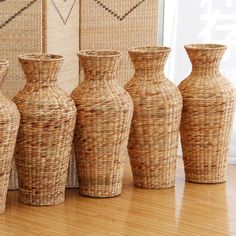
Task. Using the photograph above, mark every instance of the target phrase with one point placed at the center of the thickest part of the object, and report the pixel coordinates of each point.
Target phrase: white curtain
(200, 21)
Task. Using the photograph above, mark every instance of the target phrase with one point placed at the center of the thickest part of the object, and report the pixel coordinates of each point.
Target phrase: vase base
(47, 200)
(153, 183)
(100, 191)
(99, 195)
(207, 181)
(154, 186)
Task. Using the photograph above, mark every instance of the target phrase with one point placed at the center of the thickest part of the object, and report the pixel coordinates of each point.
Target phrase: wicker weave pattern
(42, 21)
(46, 132)
(207, 116)
(155, 126)
(9, 124)
(103, 125)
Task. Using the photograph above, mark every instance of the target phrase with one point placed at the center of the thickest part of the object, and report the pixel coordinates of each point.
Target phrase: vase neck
(207, 69)
(149, 64)
(41, 72)
(205, 61)
(99, 66)
(3, 69)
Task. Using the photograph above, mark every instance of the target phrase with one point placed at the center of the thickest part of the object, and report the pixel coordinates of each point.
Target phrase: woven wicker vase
(45, 136)
(207, 115)
(104, 112)
(9, 124)
(155, 126)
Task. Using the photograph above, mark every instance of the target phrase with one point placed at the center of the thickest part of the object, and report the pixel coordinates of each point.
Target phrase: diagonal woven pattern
(116, 15)
(17, 12)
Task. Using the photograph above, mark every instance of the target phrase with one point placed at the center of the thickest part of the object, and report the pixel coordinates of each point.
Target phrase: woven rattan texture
(207, 116)
(155, 126)
(51, 26)
(44, 142)
(112, 24)
(104, 111)
(17, 17)
(9, 124)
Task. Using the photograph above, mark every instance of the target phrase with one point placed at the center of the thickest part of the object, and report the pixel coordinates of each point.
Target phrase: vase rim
(149, 49)
(99, 53)
(41, 57)
(4, 62)
(205, 46)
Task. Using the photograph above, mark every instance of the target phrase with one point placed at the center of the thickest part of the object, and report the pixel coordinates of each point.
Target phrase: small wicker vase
(155, 126)
(207, 115)
(9, 124)
(45, 136)
(104, 112)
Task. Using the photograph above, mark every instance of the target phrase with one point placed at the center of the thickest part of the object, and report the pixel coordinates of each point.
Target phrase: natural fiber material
(112, 24)
(45, 136)
(49, 26)
(104, 111)
(207, 115)
(155, 126)
(9, 124)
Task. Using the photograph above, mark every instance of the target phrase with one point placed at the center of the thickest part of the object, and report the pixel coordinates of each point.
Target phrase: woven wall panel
(20, 32)
(61, 30)
(112, 24)
(29, 26)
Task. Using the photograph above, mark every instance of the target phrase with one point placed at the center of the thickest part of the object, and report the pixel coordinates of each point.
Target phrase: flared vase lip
(99, 53)
(41, 57)
(149, 49)
(4, 62)
(205, 46)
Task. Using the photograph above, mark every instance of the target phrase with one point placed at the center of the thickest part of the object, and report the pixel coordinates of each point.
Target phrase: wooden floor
(188, 209)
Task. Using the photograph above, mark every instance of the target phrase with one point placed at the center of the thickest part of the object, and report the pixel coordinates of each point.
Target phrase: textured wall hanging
(50, 26)
(112, 24)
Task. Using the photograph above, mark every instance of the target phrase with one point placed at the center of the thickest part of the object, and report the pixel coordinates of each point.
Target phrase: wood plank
(187, 209)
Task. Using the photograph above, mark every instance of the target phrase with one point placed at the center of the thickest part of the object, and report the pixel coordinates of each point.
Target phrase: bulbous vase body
(45, 136)
(207, 116)
(155, 126)
(104, 112)
(9, 125)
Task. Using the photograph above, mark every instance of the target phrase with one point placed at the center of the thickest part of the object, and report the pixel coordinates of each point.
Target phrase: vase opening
(99, 65)
(205, 46)
(205, 58)
(149, 58)
(40, 57)
(99, 54)
(41, 69)
(149, 49)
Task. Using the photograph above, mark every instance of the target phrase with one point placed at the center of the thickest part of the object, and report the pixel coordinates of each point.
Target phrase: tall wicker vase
(104, 112)
(45, 136)
(9, 124)
(207, 115)
(155, 126)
